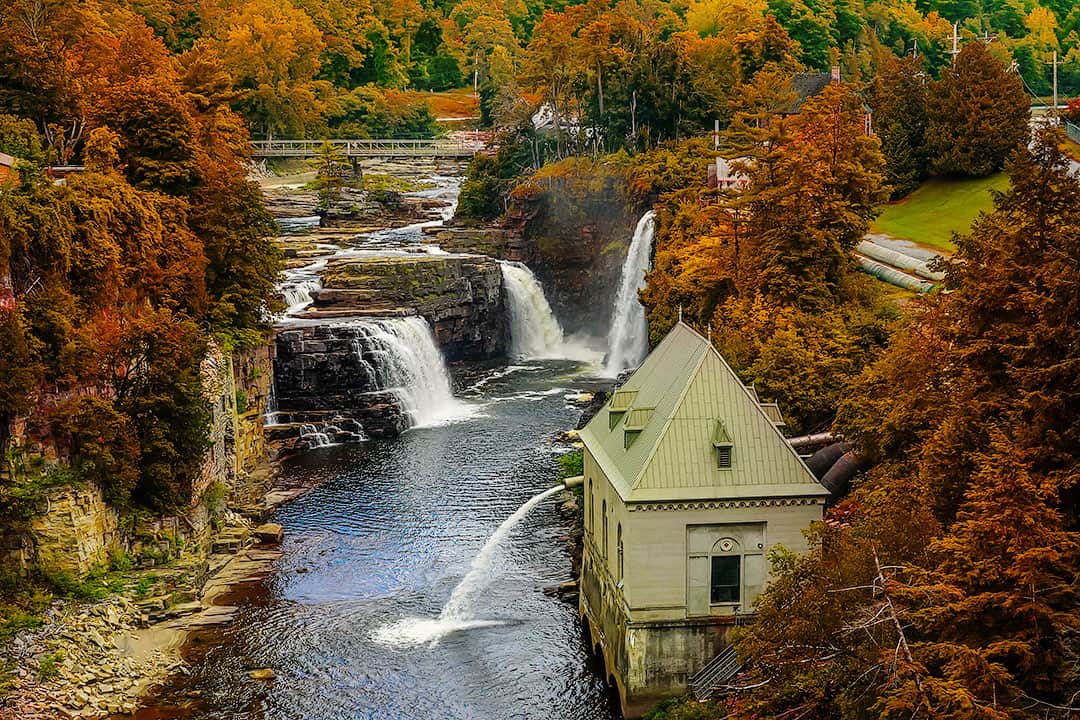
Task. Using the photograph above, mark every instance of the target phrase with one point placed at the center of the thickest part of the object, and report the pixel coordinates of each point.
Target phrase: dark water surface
(373, 553)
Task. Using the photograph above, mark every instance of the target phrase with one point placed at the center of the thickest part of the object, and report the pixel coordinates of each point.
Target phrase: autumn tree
(970, 417)
(978, 114)
(331, 167)
(814, 186)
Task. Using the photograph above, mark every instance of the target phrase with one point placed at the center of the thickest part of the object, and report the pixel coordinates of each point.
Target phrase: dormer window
(619, 404)
(723, 445)
(635, 422)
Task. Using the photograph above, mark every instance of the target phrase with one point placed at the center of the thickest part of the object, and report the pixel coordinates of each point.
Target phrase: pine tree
(979, 114)
(899, 99)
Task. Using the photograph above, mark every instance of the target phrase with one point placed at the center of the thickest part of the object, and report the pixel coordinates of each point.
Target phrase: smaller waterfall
(317, 438)
(534, 331)
(628, 339)
(402, 357)
(297, 295)
(456, 614)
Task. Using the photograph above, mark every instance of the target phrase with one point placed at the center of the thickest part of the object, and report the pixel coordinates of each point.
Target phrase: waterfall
(297, 295)
(628, 339)
(317, 438)
(534, 331)
(402, 357)
(456, 613)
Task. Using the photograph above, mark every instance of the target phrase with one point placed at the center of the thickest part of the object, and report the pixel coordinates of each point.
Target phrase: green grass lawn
(938, 208)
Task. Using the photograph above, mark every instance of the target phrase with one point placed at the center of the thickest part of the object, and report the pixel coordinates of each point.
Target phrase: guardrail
(1073, 131)
(366, 148)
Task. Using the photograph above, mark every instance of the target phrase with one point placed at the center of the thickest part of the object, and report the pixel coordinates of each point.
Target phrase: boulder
(268, 534)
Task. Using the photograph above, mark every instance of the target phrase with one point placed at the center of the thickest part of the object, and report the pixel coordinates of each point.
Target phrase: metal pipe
(574, 481)
(814, 439)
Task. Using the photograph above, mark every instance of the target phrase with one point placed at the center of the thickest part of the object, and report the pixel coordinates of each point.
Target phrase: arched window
(603, 513)
(619, 549)
(589, 509)
(726, 572)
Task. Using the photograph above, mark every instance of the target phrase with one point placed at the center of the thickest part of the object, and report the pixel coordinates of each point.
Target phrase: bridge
(372, 148)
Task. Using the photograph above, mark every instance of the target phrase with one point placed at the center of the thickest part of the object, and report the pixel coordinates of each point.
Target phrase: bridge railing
(367, 147)
(1073, 131)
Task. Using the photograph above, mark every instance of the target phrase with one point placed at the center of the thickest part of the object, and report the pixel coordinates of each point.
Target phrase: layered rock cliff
(575, 251)
(459, 295)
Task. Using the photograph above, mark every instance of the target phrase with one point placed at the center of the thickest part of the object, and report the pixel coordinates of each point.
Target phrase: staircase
(710, 678)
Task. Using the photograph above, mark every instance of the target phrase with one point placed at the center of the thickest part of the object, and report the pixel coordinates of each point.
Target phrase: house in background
(807, 85)
(7, 169)
(688, 484)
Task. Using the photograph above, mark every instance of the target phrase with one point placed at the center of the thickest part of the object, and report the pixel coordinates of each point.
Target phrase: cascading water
(628, 339)
(402, 357)
(315, 437)
(297, 294)
(534, 331)
(456, 613)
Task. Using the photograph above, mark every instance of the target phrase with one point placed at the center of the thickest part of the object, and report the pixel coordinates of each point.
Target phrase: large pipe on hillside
(838, 479)
(898, 259)
(822, 461)
(803, 440)
(893, 276)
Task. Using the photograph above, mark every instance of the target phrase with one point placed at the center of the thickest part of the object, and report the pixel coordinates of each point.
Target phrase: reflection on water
(384, 540)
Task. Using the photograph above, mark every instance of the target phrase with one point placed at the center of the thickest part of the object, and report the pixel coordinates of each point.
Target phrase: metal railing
(718, 671)
(367, 148)
(1073, 131)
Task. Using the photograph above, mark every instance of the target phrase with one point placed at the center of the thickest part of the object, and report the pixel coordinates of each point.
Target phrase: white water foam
(407, 362)
(457, 613)
(628, 339)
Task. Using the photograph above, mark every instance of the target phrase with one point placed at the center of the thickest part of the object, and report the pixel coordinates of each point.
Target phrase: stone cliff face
(460, 296)
(328, 374)
(78, 528)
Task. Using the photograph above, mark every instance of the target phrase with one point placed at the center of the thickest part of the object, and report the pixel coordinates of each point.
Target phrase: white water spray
(457, 613)
(406, 361)
(534, 331)
(628, 339)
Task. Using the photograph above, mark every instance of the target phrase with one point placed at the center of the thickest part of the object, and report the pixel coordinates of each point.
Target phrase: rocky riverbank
(95, 660)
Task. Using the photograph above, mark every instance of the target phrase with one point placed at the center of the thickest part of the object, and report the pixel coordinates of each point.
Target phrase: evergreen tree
(979, 114)
(899, 100)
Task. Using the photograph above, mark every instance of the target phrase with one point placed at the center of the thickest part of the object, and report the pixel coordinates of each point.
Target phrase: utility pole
(1054, 108)
(955, 41)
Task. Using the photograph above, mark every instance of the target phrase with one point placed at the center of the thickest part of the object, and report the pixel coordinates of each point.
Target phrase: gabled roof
(806, 86)
(656, 439)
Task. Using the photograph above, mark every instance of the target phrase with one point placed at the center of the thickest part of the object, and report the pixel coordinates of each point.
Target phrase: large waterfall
(401, 355)
(628, 339)
(457, 612)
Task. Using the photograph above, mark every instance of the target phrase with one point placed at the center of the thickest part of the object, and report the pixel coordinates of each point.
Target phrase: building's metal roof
(680, 394)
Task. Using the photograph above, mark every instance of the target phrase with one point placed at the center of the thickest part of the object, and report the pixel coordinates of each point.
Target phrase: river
(349, 620)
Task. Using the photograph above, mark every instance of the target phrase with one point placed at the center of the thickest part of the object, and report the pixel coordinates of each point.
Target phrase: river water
(382, 541)
(352, 618)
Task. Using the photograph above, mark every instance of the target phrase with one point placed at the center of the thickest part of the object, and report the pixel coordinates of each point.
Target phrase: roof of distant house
(658, 437)
(806, 86)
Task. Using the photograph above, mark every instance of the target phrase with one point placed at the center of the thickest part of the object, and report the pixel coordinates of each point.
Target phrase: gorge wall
(459, 295)
(77, 529)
